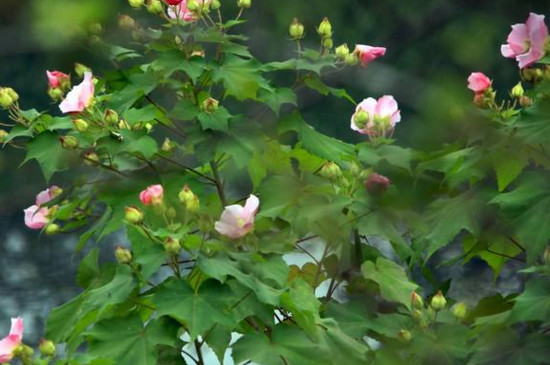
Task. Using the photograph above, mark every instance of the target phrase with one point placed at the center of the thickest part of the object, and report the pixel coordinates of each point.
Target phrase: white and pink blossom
(152, 195)
(80, 97)
(9, 343)
(376, 117)
(527, 42)
(236, 221)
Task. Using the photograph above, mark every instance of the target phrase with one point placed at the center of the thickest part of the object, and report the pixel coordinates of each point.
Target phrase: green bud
(168, 145)
(325, 28)
(330, 170)
(460, 310)
(81, 69)
(126, 22)
(91, 157)
(525, 101)
(328, 43)
(189, 199)
(405, 335)
(133, 215)
(13, 95)
(55, 93)
(172, 246)
(136, 3)
(416, 301)
(355, 169)
(148, 127)
(110, 117)
(296, 29)
(96, 29)
(193, 5)
(517, 91)
(52, 229)
(244, 3)
(342, 52)
(351, 59)
(215, 5)
(123, 125)
(6, 101)
(80, 125)
(438, 301)
(69, 142)
(155, 7)
(46, 348)
(123, 255)
(361, 119)
(3, 135)
(210, 105)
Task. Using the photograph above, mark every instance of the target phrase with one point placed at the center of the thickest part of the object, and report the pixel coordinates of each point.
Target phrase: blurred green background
(433, 45)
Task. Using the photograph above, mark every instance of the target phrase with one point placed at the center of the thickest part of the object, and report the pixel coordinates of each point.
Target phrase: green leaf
(508, 165)
(315, 83)
(18, 131)
(274, 99)
(392, 280)
(533, 230)
(352, 317)
(129, 342)
(147, 254)
(533, 124)
(239, 76)
(171, 61)
(199, 310)
(394, 155)
(63, 318)
(300, 300)
(114, 292)
(218, 339)
(146, 114)
(534, 303)
(47, 151)
(88, 270)
(216, 121)
(139, 85)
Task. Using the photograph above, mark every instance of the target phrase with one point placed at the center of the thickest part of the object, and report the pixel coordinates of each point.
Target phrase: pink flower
(478, 82)
(152, 195)
(36, 217)
(9, 343)
(368, 54)
(57, 78)
(236, 221)
(526, 42)
(80, 97)
(376, 117)
(182, 12)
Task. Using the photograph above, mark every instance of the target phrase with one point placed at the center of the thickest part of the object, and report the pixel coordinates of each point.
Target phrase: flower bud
(438, 301)
(110, 117)
(13, 95)
(148, 127)
(126, 22)
(55, 93)
(168, 145)
(95, 29)
(325, 28)
(460, 310)
(52, 229)
(172, 246)
(330, 170)
(136, 3)
(405, 335)
(193, 5)
(80, 125)
(517, 91)
(361, 119)
(377, 184)
(46, 348)
(416, 301)
(189, 199)
(244, 3)
(210, 105)
(215, 5)
(81, 69)
(91, 158)
(328, 43)
(155, 7)
(133, 215)
(342, 52)
(6, 99)
(351, 59)
(69, 142)
(525, 101)
(122, 124)
(296, 29)
(123, 255)
(3, 135)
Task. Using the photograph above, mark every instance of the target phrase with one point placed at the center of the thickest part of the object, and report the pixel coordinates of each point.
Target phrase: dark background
(433, 45)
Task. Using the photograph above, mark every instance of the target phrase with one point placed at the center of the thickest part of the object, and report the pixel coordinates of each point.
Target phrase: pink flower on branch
(9, 343)
(80, 97)
(367, 54)
(152, 195)
(57, 79)
(376, 117)
(36, 216)
(180, 10)
(478, 82)
(236, 221)
(527, 42)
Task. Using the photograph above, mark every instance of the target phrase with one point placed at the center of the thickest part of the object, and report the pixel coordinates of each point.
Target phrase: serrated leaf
(534, 303)
(239, 77)
(48, 152)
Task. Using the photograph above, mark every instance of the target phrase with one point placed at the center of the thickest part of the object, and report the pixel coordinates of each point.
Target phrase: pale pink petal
(386, 106)
(36, 217)
(538, 33)
(7, 345)
(518, 39)
(80, 97)
(507, 51)
(16, 331)
(251, 206)
(478, 82)
(43, 197)
(369, 106)
(395, 118)
(529, 58)
(228, 230)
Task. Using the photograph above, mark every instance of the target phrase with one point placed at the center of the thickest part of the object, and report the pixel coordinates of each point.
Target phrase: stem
(190, 169)
(358, 248)
(199, 353)
(320, 266)
(110, 168)
(505, 255)
(219, 185)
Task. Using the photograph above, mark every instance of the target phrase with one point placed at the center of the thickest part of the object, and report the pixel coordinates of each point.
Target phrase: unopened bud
(6, 99)
(210, 105)
(133, 215)
(193, 5)
(460, 310)
(342, 52)
(148, 127)
(361, 119)
(296, 29)
(172, 246)
(405, 335)
(416, 301)
(154, 7)
(168, 145)
(123, 255)
(438, 301)
(325, 28)
(91, 158)
(351, 59)
(69, 142)
(244, 3)
(55, 93)
(46, 348)
(525, 101)
(81, 69)
(328, 43)
(80, 125)
(189, 199)
(377, 184)
(126, 22)
(3, 135)
(52, 229)
(330, 170)
(110, 117)
(215, 5)
(136, 3)
(517, 91)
